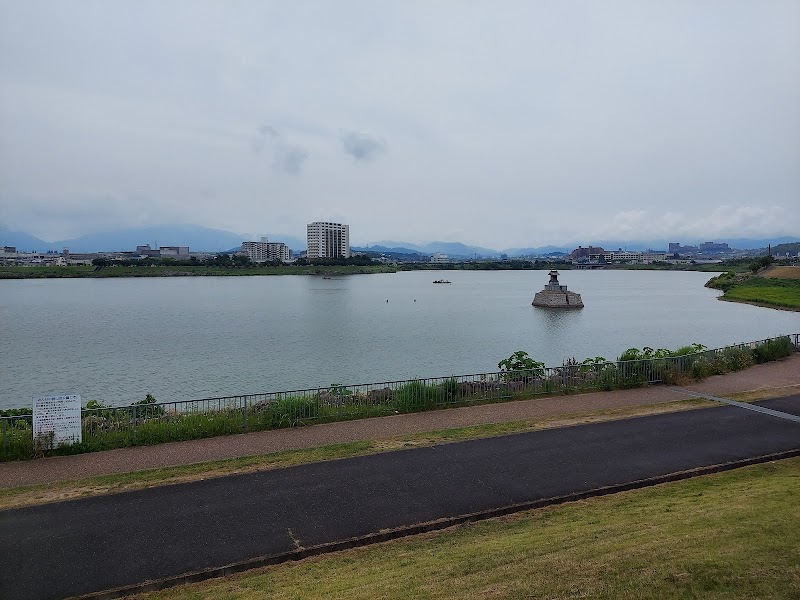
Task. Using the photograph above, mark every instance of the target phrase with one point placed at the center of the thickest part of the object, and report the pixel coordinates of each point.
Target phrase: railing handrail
(487, 376)
(106, 427)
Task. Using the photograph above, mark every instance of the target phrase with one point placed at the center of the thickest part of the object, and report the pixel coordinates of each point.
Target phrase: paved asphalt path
(77, 547)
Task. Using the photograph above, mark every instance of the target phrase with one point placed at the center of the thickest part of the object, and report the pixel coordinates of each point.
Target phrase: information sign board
(57, 419)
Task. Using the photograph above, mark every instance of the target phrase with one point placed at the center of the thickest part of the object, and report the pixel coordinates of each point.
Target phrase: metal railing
(148, 423)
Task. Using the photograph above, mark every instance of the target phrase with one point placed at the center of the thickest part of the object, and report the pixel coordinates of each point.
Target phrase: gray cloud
(362, 146)
(264, 134)
(290, 159)
(286, 157)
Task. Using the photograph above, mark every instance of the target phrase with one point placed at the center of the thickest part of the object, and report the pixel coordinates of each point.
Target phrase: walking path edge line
(747, 406)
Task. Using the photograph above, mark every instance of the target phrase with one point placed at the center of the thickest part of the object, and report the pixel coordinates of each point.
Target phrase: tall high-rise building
(328, 240)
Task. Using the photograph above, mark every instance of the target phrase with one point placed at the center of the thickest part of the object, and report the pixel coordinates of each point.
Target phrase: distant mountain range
(215, 240)
(459, 250)
(199, 239)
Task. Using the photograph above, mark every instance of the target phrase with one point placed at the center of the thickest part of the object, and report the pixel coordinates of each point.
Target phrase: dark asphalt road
(77, 547)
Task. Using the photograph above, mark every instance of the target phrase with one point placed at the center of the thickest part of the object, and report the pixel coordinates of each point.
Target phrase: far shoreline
(200, 270)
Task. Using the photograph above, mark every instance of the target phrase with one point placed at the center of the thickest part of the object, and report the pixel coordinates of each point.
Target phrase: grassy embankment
(729, 535)
(82, 271)
(775, 287)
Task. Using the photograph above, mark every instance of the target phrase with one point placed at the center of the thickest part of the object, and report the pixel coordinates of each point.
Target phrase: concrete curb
(401, 532)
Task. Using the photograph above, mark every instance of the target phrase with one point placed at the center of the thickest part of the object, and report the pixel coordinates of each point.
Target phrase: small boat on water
(442, 281)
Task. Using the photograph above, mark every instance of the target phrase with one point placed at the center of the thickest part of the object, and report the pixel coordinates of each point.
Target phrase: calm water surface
(182, 338)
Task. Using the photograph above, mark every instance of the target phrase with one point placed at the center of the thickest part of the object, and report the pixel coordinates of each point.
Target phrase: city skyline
(538, 123)
(215, 240)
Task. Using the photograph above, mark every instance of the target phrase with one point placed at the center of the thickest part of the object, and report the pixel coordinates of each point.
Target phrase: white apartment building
(623, 255)
(266, 251)
(328, 240)
(438, 257)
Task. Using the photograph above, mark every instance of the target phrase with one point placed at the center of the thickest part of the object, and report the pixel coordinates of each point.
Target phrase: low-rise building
(265, 251)
(626, 256)
(174, 251)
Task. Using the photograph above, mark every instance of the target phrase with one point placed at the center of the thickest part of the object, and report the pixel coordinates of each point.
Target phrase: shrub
(147, 408)
(450, 390)
(736, 359)
(16, 412)
(289, 412)
(705, 366)
(414, 396)
(772, 350)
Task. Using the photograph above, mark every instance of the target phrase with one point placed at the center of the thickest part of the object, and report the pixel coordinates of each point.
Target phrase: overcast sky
(495, 123)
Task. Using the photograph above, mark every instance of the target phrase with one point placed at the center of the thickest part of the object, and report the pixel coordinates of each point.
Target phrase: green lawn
(771, 291)
(730, 535)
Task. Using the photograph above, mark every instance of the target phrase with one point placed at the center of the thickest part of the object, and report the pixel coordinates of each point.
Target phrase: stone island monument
(555, 295)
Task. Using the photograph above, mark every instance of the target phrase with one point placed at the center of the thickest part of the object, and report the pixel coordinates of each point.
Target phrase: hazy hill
(197, 238)
(538, 251)
(459, 249)
(456, 249)
(387, 249)
(213, 240)
(23, 241)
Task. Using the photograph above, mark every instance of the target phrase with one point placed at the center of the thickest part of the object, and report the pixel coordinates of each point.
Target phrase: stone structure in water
(555, 295)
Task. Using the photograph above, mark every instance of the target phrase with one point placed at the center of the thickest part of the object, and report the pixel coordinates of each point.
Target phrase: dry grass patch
(782, 272)
(756, 395)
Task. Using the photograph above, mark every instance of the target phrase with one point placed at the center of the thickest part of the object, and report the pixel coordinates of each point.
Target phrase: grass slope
(774, 292)
(730, 535)
(769, 290)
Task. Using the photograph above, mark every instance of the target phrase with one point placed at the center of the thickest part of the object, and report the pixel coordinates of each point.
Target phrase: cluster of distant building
(704, 248)
(708, 252)
(328, 240)
(10, 254)
(324, 240)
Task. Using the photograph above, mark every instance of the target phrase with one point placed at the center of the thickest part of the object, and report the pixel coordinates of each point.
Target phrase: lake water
(115, 340)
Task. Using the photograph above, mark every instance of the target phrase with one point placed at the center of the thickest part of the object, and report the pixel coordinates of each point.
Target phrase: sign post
(57, 420)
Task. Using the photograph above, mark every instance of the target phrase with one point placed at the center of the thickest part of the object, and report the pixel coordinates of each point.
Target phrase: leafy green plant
(519, 366)
(16, 412)
(337, 389)
(594, 365)
(147, 408)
